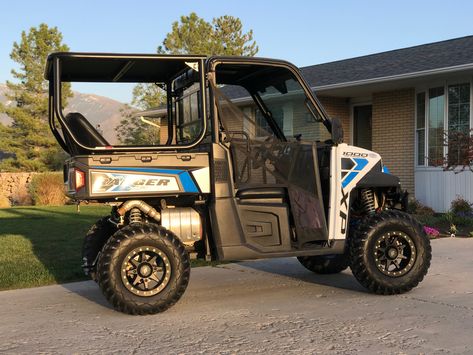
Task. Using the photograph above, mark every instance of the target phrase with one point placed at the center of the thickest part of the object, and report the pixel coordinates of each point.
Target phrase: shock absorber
(135, 216)
(368, 201)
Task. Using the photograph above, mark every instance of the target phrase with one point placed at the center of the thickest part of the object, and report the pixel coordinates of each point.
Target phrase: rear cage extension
(55, 106)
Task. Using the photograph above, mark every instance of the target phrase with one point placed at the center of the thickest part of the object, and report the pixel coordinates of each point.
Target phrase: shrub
(21, 198)
(4, 201)
(457, 219)
(48, 189)
(416, 207)
(463, 221)
(430, 220)
(461, 207)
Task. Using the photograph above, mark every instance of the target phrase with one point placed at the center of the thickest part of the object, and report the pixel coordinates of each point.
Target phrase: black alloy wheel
(389, 252)
(143, 269)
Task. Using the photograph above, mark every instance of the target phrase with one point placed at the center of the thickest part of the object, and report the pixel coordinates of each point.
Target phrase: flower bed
(457, 222)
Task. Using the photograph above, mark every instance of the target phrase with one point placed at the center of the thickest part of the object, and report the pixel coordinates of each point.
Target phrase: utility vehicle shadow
(88, 290)
(291, 268)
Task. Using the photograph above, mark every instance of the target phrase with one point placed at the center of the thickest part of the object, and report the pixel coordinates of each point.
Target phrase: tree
(192, 35)
(146, 96)
(459, 147)
(133, 131)
(29, 137)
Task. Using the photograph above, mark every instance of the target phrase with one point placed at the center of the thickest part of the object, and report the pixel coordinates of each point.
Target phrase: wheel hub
(145, 271)
(395, 253)
(392, 253)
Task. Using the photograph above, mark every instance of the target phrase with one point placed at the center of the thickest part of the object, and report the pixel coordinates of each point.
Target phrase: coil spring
(135, 216)
(367, 201)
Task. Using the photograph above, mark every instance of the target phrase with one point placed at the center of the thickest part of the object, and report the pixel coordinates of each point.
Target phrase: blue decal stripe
(360, 163)
(142, 170)
(184, 176)
(386, 170)
(349, 178)
(187, 182)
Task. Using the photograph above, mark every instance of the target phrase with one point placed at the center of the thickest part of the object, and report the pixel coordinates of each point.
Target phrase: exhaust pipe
(142, 206)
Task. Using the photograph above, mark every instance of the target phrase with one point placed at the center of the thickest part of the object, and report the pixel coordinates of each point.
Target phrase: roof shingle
(444, 54)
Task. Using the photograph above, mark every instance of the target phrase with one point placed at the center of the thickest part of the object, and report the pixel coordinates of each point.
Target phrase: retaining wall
(14, 186)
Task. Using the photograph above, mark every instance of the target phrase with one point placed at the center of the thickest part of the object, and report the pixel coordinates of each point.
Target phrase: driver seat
(84, 132)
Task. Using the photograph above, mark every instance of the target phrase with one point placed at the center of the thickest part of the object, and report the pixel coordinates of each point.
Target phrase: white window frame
(425, 88)
(416, 150)
(354, 102)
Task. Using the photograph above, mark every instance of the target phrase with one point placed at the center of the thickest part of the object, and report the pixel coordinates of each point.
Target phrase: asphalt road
(271, 306)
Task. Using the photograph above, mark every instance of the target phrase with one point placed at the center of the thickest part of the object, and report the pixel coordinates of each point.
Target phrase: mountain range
(97, 109)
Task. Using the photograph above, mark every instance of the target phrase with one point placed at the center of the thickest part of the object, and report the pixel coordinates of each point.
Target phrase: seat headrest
(84, 132)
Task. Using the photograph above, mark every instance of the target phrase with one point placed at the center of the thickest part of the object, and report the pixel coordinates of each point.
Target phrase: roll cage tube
(171, 117)
(55, 111)
(213, 62)
(268, 116)
(52, 126)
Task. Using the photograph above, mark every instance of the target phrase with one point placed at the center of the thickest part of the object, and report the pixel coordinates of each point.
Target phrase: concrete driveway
(272, 306)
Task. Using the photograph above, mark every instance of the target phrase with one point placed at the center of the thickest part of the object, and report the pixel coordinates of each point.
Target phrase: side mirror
(337, 131)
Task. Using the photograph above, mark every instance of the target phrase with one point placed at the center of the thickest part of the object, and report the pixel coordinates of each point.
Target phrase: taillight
(79, 179)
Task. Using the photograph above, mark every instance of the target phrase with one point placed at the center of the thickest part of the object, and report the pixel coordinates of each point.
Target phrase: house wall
(433, 186)
(392, 129)
(163, 131)
(340, 108)
(393, 133)
(437, 188)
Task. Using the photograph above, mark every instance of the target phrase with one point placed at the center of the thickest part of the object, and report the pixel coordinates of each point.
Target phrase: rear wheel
(390, 253)
(325, 264)
(93, 243)
(143, 269)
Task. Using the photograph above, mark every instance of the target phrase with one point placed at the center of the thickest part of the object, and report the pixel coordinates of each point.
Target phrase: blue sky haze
(303, 32)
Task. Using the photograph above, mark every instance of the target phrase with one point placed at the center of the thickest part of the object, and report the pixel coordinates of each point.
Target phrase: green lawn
(42, 245)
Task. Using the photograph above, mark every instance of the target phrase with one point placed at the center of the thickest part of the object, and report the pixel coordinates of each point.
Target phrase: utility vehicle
(247, 165)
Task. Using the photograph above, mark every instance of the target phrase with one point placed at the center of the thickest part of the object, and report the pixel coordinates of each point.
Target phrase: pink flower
(431, 231)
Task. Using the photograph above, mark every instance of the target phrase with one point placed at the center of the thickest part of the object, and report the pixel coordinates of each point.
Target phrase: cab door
(275, 178)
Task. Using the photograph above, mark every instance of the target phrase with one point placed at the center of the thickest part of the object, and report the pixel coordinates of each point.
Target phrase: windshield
(274, 99)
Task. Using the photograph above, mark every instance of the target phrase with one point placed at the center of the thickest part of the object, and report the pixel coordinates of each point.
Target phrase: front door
(362, 126)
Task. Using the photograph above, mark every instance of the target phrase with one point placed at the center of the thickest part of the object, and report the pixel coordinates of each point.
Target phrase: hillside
(3, 118)
(97, 109)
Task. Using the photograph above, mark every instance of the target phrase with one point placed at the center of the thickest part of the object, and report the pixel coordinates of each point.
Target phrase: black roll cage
(214, 61)
(207, 68)
(53, 73)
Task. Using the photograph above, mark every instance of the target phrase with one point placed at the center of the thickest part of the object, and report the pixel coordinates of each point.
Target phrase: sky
(302, 32)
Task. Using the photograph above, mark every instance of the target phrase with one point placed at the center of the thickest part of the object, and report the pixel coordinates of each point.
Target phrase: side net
(260, 158)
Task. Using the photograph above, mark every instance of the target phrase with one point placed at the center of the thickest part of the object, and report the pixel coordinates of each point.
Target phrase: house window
(436, 118)
(439, 109)
(458, 122)
(459, 107)
(262, 125)
(420, 128)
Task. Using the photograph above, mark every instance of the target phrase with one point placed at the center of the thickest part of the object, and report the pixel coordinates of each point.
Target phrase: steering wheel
(262, 153)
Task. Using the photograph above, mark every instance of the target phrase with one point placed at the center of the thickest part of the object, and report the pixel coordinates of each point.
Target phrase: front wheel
(325, 264)
(143, 269)
(390, 253)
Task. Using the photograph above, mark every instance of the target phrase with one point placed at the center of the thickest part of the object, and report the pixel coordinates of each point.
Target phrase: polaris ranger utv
(247, 165)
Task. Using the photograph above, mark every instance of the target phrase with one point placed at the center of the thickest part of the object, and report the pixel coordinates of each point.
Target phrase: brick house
(398, 104)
